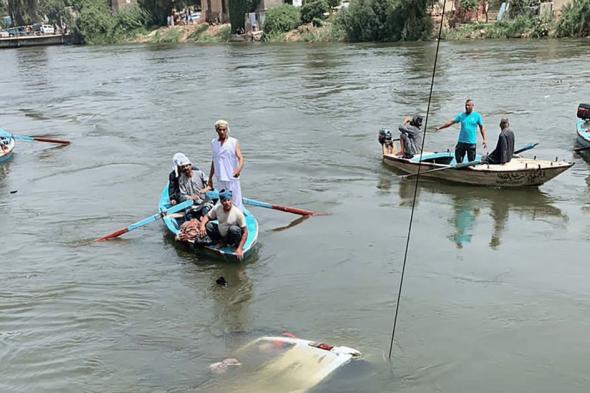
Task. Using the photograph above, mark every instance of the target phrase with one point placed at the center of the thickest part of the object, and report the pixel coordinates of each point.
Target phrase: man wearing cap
(504, 150)
(230, 227)
(192, 185)
(467, 143)
(411, 136)
(227, 162)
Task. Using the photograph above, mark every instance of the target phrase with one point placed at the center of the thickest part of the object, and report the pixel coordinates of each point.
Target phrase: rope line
(401, 282)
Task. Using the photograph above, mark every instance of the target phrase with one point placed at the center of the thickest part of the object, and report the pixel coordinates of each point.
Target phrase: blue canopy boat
(7, 143)
(227, 252)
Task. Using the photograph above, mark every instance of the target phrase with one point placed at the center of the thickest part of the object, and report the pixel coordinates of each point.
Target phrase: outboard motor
(385, 137)
(584, 111)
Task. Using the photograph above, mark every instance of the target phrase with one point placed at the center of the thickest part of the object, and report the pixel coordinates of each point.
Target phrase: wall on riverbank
(17, 42)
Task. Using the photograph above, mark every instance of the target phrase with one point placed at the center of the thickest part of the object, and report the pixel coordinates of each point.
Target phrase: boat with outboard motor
(7, 144)
(519, 172)
(228, 253)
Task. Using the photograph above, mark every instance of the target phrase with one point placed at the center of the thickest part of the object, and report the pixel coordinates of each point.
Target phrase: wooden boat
(9, 144)
(227, 252)
(583, 131)
(519, 172)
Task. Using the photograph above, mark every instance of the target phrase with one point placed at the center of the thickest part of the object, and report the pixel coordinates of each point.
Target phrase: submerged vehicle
(278, 364)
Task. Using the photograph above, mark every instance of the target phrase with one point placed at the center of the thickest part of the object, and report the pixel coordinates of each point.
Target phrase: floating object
(228, 252)
(13, 191)
(516, 173)
(221, 281)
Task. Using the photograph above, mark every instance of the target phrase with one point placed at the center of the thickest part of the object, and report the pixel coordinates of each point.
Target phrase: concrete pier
(34, 40)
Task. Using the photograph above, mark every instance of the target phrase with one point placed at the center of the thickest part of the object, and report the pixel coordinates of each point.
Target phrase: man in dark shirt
(504, 148)
(411, 136)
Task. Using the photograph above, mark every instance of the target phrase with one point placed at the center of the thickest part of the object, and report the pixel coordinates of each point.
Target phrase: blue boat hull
(226, 253)
(583, 131)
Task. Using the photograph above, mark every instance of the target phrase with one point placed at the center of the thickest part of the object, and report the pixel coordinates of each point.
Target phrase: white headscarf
(179, 159)
(222, 123)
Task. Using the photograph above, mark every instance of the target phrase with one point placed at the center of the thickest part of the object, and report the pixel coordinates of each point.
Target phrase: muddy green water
(496, 295)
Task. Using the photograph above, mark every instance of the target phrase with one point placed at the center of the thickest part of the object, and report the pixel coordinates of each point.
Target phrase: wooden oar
(28, 138)
(148, 220)
(467, 164)
(294, 210)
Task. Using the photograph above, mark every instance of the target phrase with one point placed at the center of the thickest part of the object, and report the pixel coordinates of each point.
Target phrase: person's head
(469, 106)
(178, 161)
(504, 123)
(417, 121)
(185, 166)
(222, 128)
(225, 199)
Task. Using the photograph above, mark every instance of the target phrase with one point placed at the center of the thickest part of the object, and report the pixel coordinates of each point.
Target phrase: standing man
(504, 150)
(467, 142)
(227, 162)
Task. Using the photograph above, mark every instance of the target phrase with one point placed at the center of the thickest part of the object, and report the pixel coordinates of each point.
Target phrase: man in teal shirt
(467, 142)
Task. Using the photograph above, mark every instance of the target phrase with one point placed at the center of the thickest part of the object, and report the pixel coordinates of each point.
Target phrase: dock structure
(34, 40)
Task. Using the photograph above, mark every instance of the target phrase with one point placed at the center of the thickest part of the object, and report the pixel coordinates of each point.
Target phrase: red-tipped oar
(28, 138)
(294, 210)
(146, 221)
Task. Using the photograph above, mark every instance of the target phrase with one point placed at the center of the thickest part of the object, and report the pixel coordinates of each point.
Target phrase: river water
(495, 296)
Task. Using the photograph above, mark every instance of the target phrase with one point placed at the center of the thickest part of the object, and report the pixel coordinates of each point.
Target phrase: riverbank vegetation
(94, 22)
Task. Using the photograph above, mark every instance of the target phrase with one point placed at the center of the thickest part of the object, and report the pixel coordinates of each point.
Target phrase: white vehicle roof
(283, 364)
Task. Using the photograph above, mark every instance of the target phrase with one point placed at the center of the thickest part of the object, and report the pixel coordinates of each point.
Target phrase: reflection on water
(470, 204)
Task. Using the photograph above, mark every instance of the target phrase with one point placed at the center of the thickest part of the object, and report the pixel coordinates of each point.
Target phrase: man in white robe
(227, 163)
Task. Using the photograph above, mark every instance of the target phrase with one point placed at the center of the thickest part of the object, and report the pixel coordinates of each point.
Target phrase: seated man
(173, 190)
(504, 150)
(231, 226)
(410, 137)
(192, 184)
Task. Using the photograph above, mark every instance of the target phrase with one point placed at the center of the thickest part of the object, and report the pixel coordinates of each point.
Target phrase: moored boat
(7, 144)
(519, 172)
(227, 253)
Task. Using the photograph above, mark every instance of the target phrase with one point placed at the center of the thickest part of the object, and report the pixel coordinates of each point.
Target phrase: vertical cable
(401, 282)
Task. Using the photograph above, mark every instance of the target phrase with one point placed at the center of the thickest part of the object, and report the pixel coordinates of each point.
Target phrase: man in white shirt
(227, 162)
(230, 227)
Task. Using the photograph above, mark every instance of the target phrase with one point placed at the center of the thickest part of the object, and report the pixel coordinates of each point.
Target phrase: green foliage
(520, 8)
(54, 10)
(200, 35)
(334, 3)
(314, 9)
(23, 12)
(96, 24)
(520, 27)
(385, 20)
(575, 20)
(468, 5)
(158, 10)
(281, 19)
(194, 36)
(237, 14)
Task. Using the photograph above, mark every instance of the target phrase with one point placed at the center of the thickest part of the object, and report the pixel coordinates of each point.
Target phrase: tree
(23, 12)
